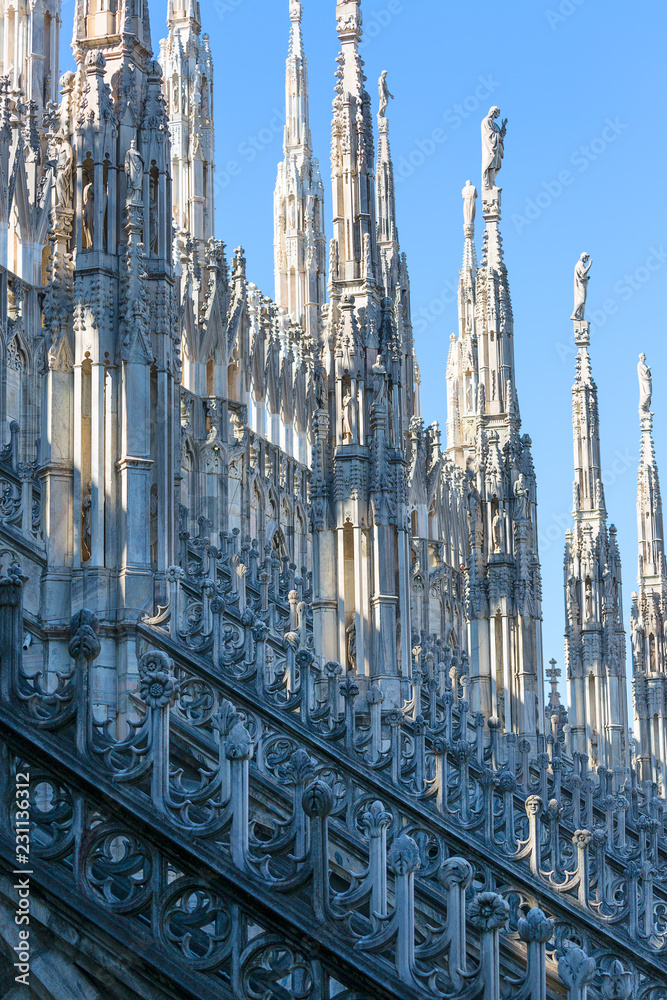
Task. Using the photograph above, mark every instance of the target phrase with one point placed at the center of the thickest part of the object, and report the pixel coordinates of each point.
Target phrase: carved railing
(227, 860)
(633, 817)
(479, 785)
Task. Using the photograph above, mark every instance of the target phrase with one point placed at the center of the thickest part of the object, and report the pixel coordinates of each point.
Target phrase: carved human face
(494, 112)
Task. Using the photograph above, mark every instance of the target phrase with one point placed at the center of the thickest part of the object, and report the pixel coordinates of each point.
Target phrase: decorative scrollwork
(118, 868)
(196, 700)
(51, 816)
(274, 971)
(196, 923)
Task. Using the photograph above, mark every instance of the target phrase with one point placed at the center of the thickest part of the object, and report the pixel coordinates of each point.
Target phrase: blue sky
(582, 83)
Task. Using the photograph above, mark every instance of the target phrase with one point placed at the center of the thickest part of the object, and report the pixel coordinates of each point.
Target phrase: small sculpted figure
(581, 279)
(347, 418)
(134, 170)
(469, 197)
(493, 147)
(64, 175)
(88, 215)
(384, 94)
(645, 384)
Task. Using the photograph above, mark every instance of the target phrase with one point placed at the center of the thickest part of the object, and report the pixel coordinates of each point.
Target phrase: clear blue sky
(561, 71)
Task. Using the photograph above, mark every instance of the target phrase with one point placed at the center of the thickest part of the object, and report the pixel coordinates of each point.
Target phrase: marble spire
(299, 239)
(652, 568)
(649, 603)
(483, 437)
(494, 306)
(187, 66)
(462, 370)
(387, 231)
(353, 156)
(361, 541)
(594, 635)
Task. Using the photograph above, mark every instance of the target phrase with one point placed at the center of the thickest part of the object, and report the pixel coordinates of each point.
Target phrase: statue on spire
(64, 175)
(295, 10)
(645, 384)
(493, 147)
(581, 279)
(384, 94)
(469, 198)
(134, 169)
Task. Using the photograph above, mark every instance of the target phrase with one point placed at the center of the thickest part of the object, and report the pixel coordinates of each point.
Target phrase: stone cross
(553, 674)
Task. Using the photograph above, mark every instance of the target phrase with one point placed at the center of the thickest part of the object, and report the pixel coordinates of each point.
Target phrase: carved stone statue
(493, 147)
(134, 170)
(88, 218)
(153, 219)
(497, 532)
(581, 279)
(645, 384)
(384, 94)
(379, 383)
(469, 197)
(589, 600)
(347, 418)
(86, 523)
(573, 595)
(351, 632)
(637, 639)
(64, 175)
(195, 90)
(474, 502)
(521, 499)
(320, 388)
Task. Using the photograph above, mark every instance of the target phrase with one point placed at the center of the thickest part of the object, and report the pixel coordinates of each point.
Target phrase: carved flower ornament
(157, 687)
(488, 911)
(158, 690)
